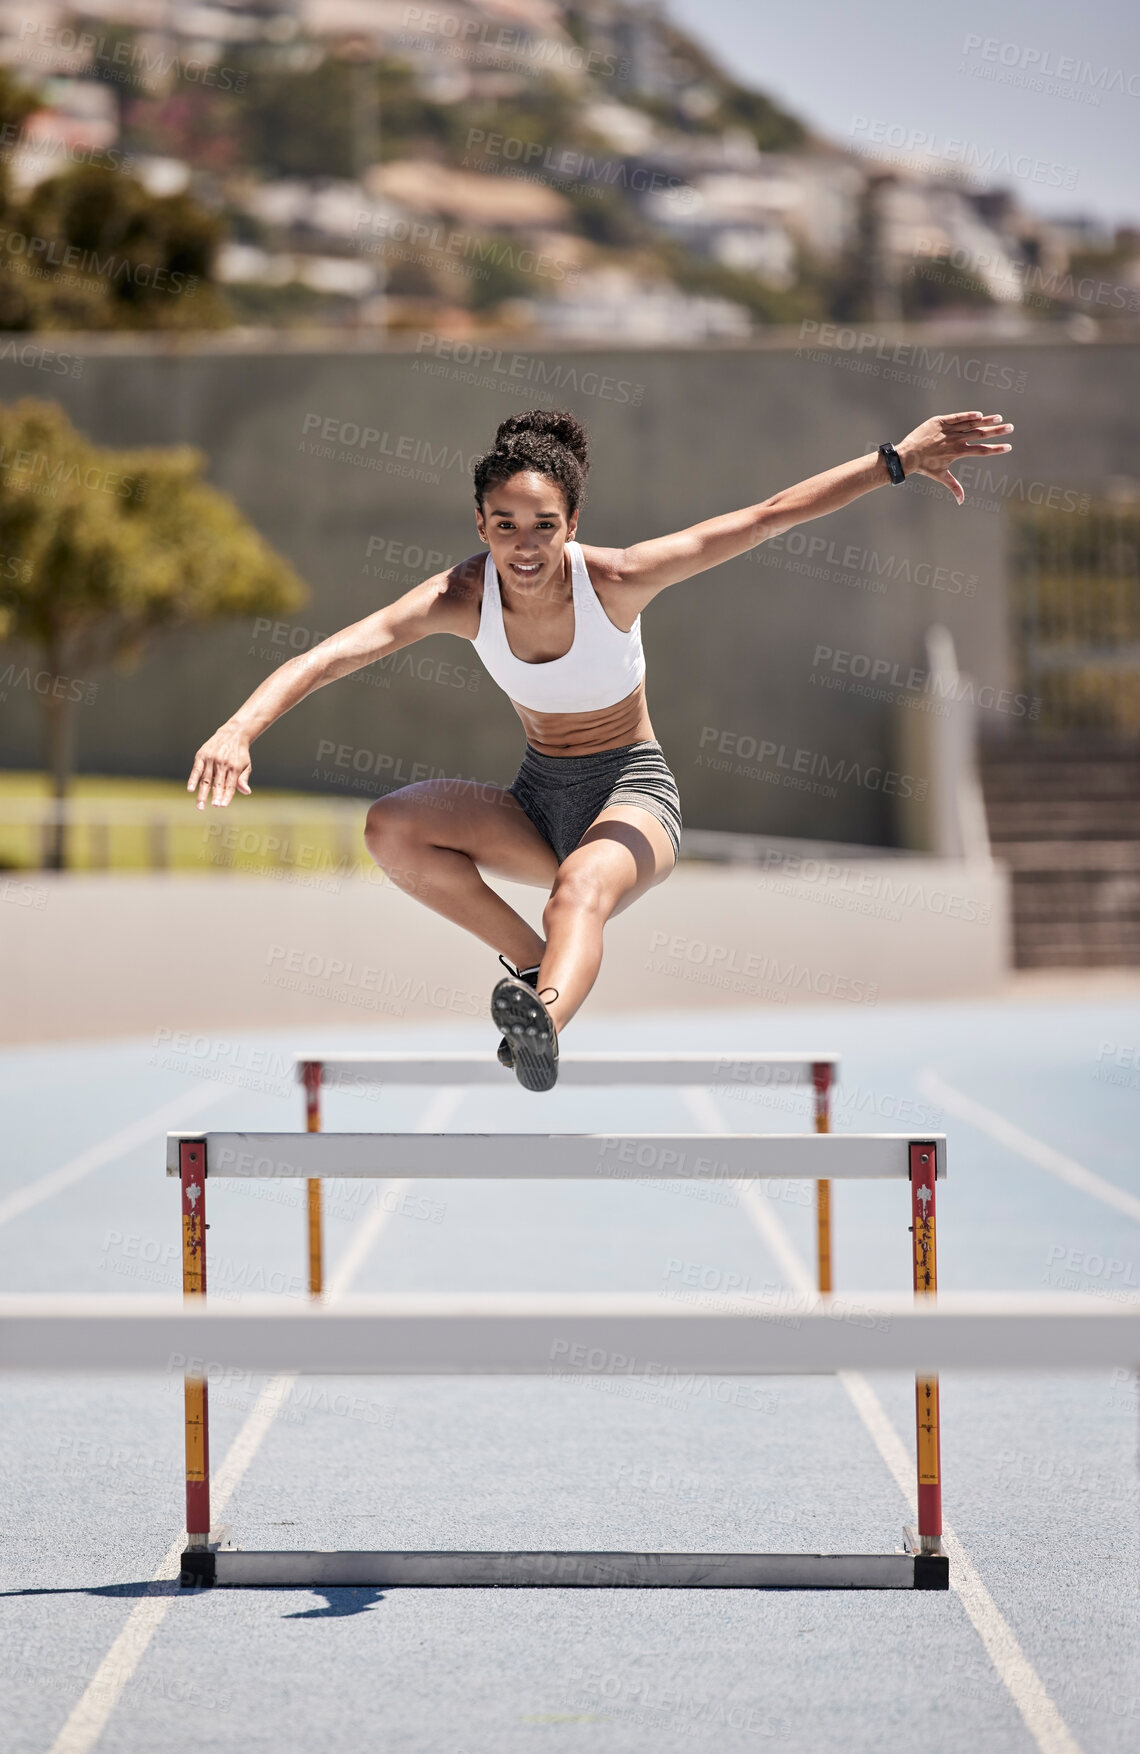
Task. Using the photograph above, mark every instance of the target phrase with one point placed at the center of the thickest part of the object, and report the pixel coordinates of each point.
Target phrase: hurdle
(819, 1071)
(513, 1332)
(313, 1155)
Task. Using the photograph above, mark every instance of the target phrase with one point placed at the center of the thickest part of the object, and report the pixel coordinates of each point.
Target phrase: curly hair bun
(549, 441)
(554, 423)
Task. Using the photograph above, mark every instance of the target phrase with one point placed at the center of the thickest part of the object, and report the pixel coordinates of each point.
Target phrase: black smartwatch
(894, 463)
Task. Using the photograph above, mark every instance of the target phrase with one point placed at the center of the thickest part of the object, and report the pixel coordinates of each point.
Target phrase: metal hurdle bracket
(194, 1157)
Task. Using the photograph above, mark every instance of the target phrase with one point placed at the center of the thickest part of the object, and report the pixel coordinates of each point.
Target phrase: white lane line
(1024, 1685)
(1022, 1682)
(170, 1118)
(1004, 1132)
(90, 1716)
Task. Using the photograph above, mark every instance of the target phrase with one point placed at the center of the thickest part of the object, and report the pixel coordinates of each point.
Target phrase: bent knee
(579, 892)
(390, 825)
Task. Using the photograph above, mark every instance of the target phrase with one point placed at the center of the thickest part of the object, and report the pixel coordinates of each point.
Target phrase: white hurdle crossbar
(317, 1070)
(572, 1334)
(312, 1156)
(559, 1156)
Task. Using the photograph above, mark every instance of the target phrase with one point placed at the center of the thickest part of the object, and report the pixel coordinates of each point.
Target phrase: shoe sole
(524, 1021)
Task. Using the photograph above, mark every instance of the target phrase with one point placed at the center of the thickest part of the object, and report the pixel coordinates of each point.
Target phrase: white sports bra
(603, 665)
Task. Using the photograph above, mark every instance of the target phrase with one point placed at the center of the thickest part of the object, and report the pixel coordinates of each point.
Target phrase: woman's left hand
(946, 438)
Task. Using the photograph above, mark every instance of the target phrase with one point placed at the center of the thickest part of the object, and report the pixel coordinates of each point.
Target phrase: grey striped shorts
(562, 794)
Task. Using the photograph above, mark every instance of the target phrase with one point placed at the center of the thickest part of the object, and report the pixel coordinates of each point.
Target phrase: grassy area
(152, 824)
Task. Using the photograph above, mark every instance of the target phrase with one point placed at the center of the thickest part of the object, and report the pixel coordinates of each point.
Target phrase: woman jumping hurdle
(593, 814)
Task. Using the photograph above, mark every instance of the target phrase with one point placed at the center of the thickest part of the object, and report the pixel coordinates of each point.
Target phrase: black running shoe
(529, 1032)
(530, 975)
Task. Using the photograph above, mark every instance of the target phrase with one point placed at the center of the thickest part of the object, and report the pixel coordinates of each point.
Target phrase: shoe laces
(527, 977)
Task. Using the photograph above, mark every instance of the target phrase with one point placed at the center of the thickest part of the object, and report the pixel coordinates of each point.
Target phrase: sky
(1040, 96)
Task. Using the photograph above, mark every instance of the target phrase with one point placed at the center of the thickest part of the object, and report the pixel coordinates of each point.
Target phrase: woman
(593, 813)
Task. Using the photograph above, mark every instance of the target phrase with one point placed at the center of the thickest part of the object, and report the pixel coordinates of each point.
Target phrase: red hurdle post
(821, 1084)
(923, 1171)
(192, 1167)
(311, 1077)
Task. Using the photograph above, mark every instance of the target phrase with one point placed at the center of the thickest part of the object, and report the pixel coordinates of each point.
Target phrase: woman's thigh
(484, 821)
(625, 852)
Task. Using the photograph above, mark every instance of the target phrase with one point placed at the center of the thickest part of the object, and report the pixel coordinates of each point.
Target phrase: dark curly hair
(548, 440)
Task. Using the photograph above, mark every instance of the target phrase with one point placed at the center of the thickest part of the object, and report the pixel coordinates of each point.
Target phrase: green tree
(100, 252)
(90, 248)
(299, 123)
(106, 548)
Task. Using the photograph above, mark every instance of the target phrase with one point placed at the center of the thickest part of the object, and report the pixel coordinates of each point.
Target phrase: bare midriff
(609, 727)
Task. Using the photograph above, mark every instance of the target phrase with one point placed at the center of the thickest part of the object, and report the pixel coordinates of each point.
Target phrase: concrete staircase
(1064, 815)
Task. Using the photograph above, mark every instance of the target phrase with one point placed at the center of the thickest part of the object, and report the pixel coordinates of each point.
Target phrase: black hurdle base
(235, 1569)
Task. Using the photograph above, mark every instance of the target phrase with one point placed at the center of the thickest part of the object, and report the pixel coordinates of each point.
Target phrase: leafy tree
(732, 106)
(927, 287)
(102, 253)
(300, 123)
(107, 548)
(766, 304)
(91, 249)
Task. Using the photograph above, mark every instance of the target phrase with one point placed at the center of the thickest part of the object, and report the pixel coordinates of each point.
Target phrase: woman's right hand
(222, 763)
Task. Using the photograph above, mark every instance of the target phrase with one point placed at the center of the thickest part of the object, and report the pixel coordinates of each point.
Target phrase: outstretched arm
(438, 605)
(931, 449)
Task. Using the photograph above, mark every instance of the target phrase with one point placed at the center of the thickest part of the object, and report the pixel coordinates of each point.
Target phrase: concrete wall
(141, 955)
(678, 436)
